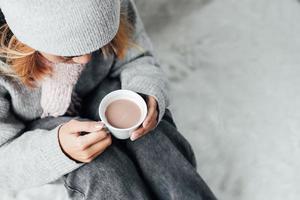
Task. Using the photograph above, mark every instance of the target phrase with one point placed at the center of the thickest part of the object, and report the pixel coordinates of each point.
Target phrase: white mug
(121, 133)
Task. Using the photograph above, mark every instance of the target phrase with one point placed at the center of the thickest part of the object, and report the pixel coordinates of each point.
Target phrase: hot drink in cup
(122, 111)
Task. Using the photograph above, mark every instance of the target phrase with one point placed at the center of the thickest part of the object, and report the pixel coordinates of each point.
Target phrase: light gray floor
(234, 67)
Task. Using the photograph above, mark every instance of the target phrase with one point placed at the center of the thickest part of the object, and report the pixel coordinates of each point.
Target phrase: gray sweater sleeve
(140, 70)
(29, 158)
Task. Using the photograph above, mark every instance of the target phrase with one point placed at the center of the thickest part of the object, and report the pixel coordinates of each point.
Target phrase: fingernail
(99, 125)
(133, 137)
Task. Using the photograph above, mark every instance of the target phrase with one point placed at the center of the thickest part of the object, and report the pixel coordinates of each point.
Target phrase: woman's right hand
(83, 148)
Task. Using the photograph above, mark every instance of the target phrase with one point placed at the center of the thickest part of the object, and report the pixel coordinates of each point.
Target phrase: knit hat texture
(63, 27)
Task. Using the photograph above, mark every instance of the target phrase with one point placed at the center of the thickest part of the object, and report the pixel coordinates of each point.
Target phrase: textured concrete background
(234, 70)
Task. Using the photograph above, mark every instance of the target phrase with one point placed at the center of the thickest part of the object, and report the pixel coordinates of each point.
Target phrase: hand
(83, 148)
(150, 121)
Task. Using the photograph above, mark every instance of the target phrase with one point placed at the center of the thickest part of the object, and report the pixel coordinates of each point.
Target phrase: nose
(82, 59)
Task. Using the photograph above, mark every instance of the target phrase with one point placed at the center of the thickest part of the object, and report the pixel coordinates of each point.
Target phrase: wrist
(62, 149)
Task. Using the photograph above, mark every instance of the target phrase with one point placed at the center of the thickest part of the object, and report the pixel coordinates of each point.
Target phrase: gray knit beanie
(63, 27)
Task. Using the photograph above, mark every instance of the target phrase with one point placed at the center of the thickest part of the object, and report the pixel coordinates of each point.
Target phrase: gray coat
(33, 157)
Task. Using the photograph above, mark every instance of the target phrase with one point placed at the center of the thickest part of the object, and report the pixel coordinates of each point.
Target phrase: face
(83, 59)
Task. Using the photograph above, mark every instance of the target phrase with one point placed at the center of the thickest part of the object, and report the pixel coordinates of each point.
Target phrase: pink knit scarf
(57, 90)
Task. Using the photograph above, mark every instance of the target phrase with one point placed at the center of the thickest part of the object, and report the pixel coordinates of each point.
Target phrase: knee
(108, 174)
(111, 175)
(169, 137)
(112, 164)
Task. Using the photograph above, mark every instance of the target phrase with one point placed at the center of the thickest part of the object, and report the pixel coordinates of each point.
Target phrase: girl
(60, 58)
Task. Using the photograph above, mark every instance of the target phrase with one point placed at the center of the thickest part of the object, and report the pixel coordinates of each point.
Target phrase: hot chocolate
(123, 113)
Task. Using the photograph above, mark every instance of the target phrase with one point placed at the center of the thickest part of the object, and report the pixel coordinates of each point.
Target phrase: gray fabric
(32, 158)
(150, 168)
(66, 28)
(161, 165)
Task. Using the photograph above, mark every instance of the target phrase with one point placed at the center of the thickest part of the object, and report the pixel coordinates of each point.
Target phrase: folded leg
(111, 176)
(167, 163)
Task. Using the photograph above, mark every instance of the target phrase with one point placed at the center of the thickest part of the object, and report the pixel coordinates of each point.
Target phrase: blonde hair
(23, 62)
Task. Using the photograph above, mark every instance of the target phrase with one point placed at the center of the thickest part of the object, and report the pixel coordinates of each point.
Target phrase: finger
(151, 126)
(152, 100)
(98, 147)
(143, 131)
(137, 133)
(92, 138)
(100, 152)
(84, 126)
(151, 111)
(149, 121)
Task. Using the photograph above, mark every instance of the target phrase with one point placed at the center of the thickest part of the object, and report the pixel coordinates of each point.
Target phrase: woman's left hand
(150, 121)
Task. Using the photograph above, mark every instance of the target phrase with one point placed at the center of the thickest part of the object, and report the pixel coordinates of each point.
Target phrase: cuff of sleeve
(147, 88)
(55, 157)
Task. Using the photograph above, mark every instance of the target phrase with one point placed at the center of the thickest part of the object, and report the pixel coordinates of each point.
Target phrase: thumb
(76, 126)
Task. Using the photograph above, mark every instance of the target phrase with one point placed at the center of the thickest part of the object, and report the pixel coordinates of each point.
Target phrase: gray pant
(160, 165)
